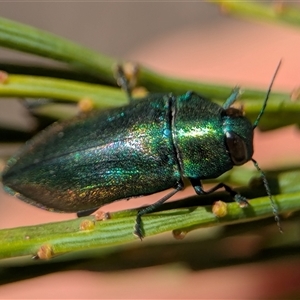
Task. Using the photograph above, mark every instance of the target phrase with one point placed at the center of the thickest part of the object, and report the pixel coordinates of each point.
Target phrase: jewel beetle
(145, 147)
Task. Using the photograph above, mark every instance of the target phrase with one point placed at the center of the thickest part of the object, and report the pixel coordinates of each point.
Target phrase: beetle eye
(237, 148)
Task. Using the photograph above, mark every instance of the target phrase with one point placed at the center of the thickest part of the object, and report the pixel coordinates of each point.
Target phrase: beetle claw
(138, 231)
(241, 200)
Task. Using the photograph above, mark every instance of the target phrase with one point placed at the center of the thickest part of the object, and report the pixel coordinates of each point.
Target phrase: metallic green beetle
(140, 149)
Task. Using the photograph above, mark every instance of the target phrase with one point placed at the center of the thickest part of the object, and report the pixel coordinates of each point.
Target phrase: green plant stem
(66, 236)
(157, 82)
(31, 40)
(280, 110)
(67, 90)
(277, 12)
(36, 86)
(35, 41)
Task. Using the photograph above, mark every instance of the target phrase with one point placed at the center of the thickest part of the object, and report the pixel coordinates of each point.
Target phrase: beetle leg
(87, 212)
(232, 98)
(241, 200)
(123, 82)
(126, 76)
(138, 231)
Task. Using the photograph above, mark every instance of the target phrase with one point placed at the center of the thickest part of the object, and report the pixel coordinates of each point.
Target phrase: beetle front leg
(138, 231)
(241, 200)
(232, 98)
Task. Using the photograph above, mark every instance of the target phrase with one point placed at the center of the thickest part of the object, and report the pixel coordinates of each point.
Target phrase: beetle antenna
(262, 174)
(266, 185)
(267, 97)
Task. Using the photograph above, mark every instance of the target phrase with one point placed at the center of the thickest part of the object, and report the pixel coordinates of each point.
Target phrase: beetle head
(238, 135)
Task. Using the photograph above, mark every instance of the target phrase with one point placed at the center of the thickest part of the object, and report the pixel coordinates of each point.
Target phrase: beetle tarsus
(241, 200)
(123, 82)
(138, 231)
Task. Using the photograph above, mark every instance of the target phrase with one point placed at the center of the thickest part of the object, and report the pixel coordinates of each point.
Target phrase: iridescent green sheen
(143, 148)
(97, 159)
(199, 136)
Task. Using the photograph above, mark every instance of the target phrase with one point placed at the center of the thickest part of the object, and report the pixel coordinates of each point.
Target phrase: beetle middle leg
(138, 231)
(241, 200)
(126, 76)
